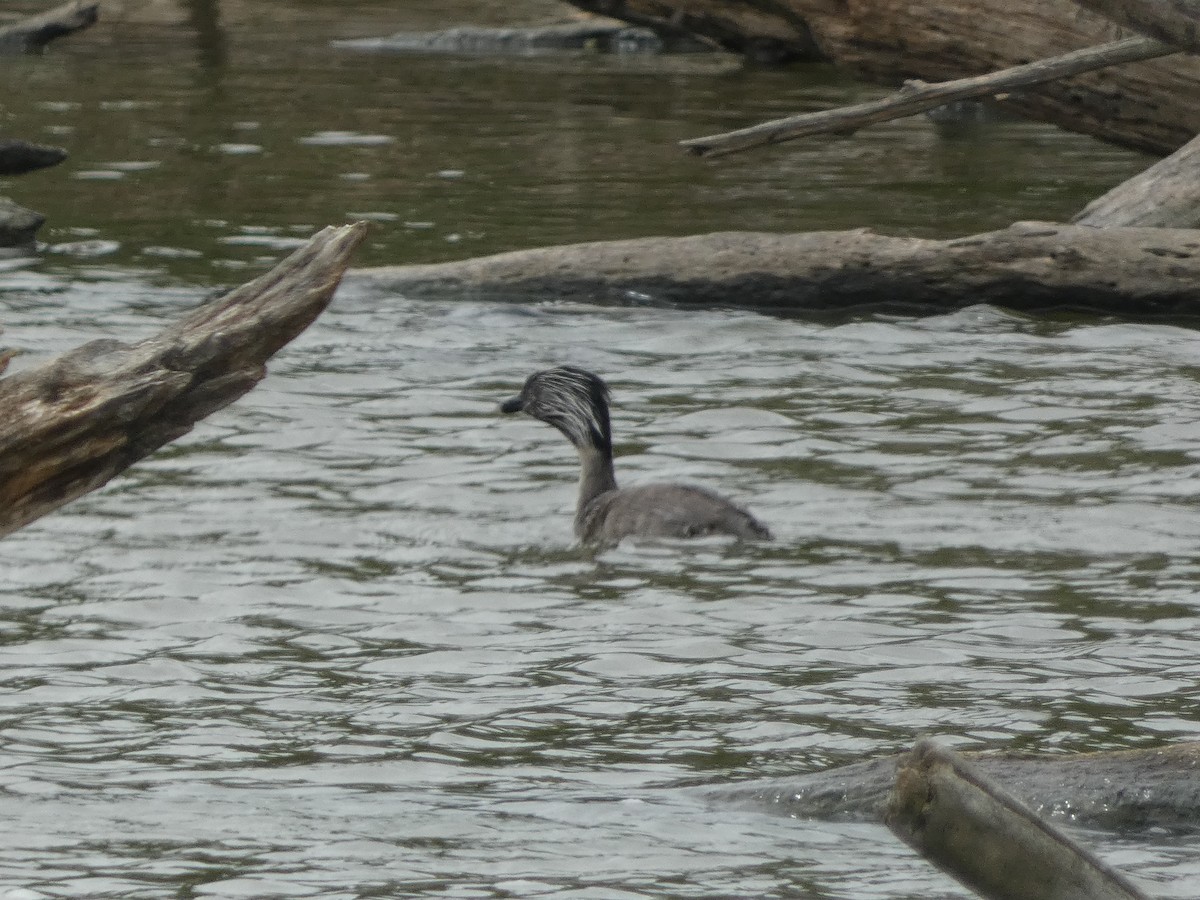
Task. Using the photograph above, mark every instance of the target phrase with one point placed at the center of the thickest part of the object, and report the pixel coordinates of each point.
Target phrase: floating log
(1030, 266)
(34, 33)
(69, 425)
(1122, 791)
(969, 826)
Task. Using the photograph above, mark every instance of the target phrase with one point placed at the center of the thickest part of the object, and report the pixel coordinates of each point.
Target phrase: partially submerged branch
(32, 34)
(968, 825)
(70, 425)
(917, 97)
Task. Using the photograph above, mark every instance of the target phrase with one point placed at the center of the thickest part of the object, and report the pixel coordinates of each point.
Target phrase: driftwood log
(968, 825)
(1030, 266)
(68, 426)
(34, 33)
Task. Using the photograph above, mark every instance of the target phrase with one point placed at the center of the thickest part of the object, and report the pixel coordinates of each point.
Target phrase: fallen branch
(1029, 266)
(970, 827)
(917, 96)
(32, 34)
(70, 425)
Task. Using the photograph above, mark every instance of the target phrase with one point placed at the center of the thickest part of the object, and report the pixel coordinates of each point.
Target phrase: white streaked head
(571, 399)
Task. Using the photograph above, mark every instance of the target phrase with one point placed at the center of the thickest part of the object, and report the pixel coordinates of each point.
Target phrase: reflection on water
(338, 642)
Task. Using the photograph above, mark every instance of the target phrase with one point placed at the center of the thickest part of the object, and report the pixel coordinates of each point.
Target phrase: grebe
(575, 402)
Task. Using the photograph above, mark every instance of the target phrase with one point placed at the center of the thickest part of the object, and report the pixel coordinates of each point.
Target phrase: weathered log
(1166, 195)
(917, 96)
(18, 157)
(969, 826)
(68, 426)
(1177, 22)
(1122, 791)
(32, 34)
(1035, 267)
(1147, 106)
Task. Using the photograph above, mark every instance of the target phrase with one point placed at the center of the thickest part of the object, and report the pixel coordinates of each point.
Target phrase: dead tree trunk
(70, 425)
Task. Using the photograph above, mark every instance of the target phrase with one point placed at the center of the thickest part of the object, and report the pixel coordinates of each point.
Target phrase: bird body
(575, 402)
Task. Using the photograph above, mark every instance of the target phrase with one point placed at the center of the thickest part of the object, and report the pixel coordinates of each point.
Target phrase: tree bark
(1147, 106)
(1035, 267)
(70, 425)
(1166, 195)
(1176, 22)
(32, 34)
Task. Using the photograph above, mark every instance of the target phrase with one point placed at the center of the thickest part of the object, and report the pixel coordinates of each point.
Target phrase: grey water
(338, 642)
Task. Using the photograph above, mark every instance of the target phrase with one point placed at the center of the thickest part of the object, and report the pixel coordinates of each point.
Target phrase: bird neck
(595, 476)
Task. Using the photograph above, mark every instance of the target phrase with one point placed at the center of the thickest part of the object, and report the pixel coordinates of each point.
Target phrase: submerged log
(1147, 106)
(34, 33)
(1029, 266)
(1124, 791)
(70, 425)
(600, 35)
(969, 826)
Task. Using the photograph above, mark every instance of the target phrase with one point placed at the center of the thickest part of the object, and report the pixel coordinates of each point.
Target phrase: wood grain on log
(1030, 266)
(971, 827)
(70, 425)
(1147, 106)
(33, 33)
(1166, 195)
